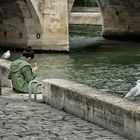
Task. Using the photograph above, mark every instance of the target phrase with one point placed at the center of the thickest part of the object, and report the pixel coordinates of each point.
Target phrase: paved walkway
(22, 119)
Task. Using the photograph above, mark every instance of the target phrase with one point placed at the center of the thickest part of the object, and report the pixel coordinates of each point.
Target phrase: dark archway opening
(85, 3)
(85, 35)
(85, 6)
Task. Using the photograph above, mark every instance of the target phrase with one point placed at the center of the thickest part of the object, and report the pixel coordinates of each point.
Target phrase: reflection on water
(113, 68)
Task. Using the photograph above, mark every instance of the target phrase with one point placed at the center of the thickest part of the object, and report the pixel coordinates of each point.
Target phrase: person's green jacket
(21, 74)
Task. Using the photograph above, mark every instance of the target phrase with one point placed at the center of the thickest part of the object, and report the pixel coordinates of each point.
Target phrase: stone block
(111, 112)
(4, 71)
(0, 85)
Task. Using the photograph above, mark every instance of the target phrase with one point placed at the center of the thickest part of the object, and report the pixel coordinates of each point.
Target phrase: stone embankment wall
(111, 112)
(4, 72)
(0, 85)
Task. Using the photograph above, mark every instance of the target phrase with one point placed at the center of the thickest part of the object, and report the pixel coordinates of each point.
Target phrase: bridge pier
(120, 19)
(55, 29)
(43, 24)
(0, 85)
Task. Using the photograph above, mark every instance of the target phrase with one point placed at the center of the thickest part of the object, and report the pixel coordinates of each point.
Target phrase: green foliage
(85, 3)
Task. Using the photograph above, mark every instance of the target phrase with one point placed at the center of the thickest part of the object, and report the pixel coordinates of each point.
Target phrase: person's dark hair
(28, 52)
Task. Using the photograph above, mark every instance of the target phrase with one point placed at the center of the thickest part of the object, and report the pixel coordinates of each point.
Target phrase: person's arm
(28, 74)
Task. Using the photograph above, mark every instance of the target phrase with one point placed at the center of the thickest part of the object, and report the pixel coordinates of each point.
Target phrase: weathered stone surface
(111, 112)
(18, 24)
(0, 85)
(4, 72)
(55, 27)
(85, 18)
(22, 119)
(120, 18)
(70, 5)
(42, 24)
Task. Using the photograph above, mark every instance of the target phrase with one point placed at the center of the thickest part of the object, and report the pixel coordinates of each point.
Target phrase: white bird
(6, 55)
(138, 87)
(135, 91)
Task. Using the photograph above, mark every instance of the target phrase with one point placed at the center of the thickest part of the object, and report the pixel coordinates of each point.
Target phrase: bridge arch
(120, 19)
(17, 19)
(42, 24)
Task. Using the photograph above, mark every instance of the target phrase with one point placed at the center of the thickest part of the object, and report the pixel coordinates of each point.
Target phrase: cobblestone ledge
(114, 113)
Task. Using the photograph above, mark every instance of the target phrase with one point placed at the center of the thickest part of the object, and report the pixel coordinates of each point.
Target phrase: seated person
(21, 72)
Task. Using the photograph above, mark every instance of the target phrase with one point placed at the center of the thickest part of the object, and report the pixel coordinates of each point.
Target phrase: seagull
(138, 87)
(135, 91)
(6, 55)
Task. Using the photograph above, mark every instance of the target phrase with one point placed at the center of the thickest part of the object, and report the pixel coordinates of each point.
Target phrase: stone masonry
(22, 119)
(120, 18)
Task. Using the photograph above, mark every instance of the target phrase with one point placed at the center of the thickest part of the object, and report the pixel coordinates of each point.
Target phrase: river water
(111, 66)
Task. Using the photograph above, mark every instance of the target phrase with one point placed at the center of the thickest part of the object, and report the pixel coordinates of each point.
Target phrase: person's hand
(35, 66)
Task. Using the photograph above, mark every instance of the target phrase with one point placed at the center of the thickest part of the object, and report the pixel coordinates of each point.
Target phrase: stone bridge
(43, 24)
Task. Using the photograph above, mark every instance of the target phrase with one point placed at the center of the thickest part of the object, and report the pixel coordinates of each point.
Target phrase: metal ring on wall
(20, 35)
(38, 35)
(5, 33)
